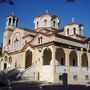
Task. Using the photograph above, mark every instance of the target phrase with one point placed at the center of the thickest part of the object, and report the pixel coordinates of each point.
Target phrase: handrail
(27, 69)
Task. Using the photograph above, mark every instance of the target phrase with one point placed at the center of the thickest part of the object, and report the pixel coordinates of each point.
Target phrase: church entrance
(28, 61)
(5, 66)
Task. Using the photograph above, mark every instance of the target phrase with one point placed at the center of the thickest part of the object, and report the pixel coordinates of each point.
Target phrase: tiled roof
(45, 14)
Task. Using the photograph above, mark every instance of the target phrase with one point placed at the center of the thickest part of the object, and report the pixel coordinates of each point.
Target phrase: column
(79, 58)
(80, 76)
(67, 61)
(67, 52)
(88, 54)
(53, 62)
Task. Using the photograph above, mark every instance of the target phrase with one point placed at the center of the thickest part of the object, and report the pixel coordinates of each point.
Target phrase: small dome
(74, 23)
(73, 28)
(48, 14)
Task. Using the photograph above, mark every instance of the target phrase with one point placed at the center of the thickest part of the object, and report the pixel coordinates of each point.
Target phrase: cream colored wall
(45, 39)
(49, 19)
(71, 31)
(19, 60)
(64, 41)
(75, 37)
(11, 35)
(6, 37)
(80, 74)
(26, 39)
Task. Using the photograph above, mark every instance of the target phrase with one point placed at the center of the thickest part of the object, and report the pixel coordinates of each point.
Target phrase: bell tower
(11, 22)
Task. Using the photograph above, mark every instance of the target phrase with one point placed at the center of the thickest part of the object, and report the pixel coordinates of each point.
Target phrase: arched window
(45, 22)
(73, 58)
(9, 22)
(16, 44)
(84, 62)
(89, 44)
(54, 23)
(47, 56)
(73, 62)
(6, 59)
(68, 31)
(13, 20)
(37, 24)
(28, 60)
(80, 31)
(9, 41)
(60, 56)
(74, 30)
(10, 60)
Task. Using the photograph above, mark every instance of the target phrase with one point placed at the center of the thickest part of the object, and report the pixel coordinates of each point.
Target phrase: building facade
(47, 52)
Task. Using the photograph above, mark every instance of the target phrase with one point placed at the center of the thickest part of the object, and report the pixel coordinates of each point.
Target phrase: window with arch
(9, 22)
(89, 44)
(75, 77)
(84, 62)
(37, 24)
(47, 56)
(28, 59)
(16, 44)
(73, 62)
(60, 56)
(10, 60)
(73, 58)
(40, 40)
(74, 30)
(80, 31)
(68, 31)
(6, 58)
(16, 41)
(54, 23)
(13, 20)
(45, 22)
(9, 41)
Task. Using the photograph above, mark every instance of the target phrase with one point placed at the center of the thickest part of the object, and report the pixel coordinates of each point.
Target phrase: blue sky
(27, 10)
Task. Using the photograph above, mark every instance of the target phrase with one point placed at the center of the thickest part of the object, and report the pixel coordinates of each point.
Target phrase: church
(46, 52)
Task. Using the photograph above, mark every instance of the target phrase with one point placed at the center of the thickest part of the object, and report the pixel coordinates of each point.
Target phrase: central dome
(46, 20)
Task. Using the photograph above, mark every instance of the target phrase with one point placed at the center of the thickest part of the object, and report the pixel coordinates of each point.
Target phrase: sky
(27, 10)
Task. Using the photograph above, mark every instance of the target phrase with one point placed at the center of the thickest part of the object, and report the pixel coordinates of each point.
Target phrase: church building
(46, 52)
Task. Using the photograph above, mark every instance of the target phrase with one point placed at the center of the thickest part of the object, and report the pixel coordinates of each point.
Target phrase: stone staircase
(28, 74)
(9, 74)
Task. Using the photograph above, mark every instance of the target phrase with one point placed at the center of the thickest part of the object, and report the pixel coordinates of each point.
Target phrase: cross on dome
(73, 20)
(12, 13)
(46, 11)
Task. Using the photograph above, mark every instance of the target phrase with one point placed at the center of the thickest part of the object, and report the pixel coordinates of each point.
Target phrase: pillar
(53, 62)
(67, 63)
(67, 52)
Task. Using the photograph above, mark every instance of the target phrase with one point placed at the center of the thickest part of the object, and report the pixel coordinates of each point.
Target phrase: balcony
(60, 69)
(74, 69)
(46, 69)
(85, 70)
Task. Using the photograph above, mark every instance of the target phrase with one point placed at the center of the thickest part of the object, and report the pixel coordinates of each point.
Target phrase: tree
(10, 2)
(70, 1)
